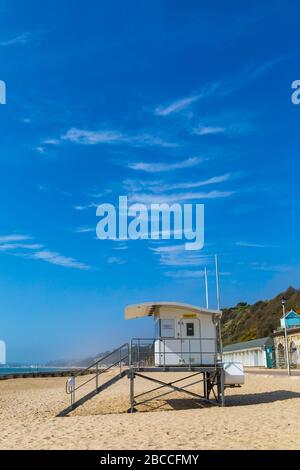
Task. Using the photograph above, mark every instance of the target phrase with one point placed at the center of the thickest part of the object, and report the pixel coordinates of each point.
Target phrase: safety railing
(117, 358)
(155, 352)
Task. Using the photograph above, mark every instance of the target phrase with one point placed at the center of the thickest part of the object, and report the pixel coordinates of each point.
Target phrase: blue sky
(186, 101)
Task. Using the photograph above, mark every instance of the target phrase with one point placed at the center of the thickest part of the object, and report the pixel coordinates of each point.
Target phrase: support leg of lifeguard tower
(212, 380)
(209, 383)
(221, 388)
(205, 385)
(132, 401)
(170, 385)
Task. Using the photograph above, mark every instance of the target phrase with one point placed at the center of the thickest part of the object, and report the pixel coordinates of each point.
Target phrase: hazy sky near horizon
(156, 100)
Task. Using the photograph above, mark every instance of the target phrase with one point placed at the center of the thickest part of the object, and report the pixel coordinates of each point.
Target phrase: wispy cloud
(121, 246)
(168, 248)
(96, 137)
(83, 207)
(40, 149)
(198, 184)
(202, 130)
(281, 268)
(21, 39)
(141, 185)
(156, 191)
(232, 122)
(189, 274)
(86, 137)
(116, 260)
(153, 191)
(184, 274)
(15, 243)
(85, 229)
(51, 142)
(255, 245)
(185, 259)
(59, 260)
(162, 167)
(183, 103)
(176, 106)
(176, 255)
(14, 238)
(98, 194)
(16, 246)
(246, 76)
(147, 198)
(158, 186)
(222, 87)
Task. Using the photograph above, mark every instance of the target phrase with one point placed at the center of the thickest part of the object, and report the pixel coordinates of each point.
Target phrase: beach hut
(255, 353)
(291, 320)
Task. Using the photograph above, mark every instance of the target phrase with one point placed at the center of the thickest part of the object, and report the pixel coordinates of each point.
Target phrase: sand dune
(263, 414)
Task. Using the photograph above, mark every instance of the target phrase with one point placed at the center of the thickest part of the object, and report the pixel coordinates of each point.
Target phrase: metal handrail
(101, 359)
(170, 338)
(138, 344)
(70, 390)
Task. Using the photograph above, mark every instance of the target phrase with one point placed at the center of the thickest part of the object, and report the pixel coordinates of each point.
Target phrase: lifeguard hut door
(179, 341)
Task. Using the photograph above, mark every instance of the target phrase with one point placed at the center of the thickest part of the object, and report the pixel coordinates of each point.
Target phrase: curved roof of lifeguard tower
(149, 309)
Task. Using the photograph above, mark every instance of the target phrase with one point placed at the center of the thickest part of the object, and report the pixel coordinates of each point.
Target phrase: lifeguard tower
(187, 340)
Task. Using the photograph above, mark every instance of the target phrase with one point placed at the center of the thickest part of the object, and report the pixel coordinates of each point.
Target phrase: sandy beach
(263, 414)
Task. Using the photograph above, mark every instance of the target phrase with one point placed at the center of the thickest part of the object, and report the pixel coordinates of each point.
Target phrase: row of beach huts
(270, 352)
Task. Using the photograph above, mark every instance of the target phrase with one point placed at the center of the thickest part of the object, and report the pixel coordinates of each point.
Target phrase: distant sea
(27, 369)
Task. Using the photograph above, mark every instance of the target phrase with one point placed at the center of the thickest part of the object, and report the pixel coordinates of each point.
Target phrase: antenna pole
(217, 281)
(206, 286)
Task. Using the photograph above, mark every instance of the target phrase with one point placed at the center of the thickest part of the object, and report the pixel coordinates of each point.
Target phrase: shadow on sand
(259, 398)
(236, 400)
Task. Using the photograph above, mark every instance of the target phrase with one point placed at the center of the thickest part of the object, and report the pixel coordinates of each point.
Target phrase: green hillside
(245, 322)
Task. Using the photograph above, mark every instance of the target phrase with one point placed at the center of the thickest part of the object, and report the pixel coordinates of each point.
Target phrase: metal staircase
(139, 359)
(118, 358)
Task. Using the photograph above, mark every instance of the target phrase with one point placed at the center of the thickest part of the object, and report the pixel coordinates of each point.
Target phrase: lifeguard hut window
(167, 328)
(190, 329)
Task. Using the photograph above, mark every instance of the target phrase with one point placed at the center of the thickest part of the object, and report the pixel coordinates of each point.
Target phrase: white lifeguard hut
(184, 334)
(187, 339)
